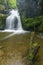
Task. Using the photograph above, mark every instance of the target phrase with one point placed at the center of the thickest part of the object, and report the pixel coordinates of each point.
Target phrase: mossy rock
(30, 56)
(2, 21)
(2, 7)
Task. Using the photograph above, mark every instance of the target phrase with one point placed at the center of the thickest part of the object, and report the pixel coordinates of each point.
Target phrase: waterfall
(13, 21)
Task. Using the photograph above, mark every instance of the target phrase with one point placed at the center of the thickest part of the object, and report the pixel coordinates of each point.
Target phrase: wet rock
(1, 53)
(1, 47)
(29, 8)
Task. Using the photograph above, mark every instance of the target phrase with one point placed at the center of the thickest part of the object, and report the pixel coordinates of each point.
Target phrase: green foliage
(30, 56)
(12, 3)
(29, 23)
(2, 2)
(8, 3)
(40, 28)
(2, 21)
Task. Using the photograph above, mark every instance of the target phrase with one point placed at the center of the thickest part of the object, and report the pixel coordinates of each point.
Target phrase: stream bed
(14, 50)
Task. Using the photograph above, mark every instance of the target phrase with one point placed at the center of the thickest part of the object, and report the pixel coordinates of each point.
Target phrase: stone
(1, 53)
(29, 8)
(1, 47)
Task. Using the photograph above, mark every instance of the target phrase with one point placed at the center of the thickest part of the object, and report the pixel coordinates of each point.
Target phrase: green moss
(2, 21)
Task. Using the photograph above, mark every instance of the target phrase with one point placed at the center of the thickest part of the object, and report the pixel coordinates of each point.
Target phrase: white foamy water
(13, 21)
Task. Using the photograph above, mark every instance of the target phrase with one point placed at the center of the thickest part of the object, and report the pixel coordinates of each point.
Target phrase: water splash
(13, 21)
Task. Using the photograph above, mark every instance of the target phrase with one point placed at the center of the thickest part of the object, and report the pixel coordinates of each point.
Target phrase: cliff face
(29, 8)
(20, 5)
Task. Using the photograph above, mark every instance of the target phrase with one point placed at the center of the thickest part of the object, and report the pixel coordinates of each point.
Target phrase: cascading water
(13, 21)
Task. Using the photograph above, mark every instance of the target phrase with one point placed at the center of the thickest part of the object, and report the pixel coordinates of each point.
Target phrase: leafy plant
(29, 23)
